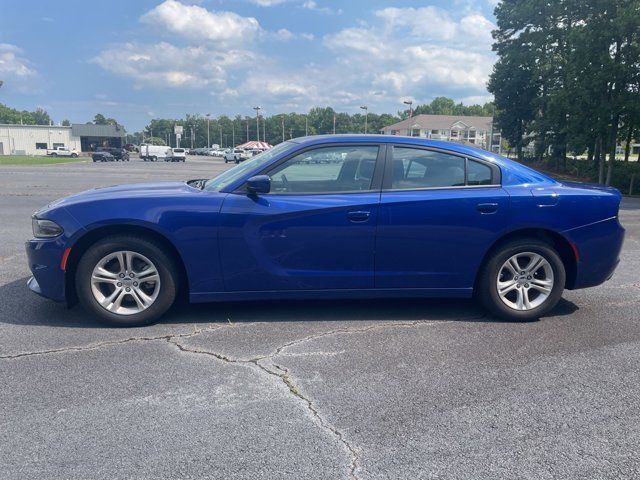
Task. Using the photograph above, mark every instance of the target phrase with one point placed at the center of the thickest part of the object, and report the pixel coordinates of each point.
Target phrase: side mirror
(259, 184)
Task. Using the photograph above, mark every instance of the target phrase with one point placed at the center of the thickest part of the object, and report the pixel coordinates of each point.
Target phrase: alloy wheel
(125, 282)
(525, 281)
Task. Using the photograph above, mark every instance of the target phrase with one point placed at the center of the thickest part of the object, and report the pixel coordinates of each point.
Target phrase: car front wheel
(522, 280)
(126, 281)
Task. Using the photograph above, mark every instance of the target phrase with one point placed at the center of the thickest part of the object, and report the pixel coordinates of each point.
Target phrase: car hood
(134, 190)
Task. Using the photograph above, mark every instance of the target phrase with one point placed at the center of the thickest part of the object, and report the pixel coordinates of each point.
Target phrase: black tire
(154, 159)
(74, 155)
(487, 288)
(163, 262)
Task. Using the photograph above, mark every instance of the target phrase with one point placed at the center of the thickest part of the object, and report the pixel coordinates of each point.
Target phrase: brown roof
(441, 122)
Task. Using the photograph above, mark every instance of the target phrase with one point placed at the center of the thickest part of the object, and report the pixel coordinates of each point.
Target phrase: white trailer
(154, 152)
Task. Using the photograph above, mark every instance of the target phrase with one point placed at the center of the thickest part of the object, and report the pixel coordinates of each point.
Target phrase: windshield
(233, 174)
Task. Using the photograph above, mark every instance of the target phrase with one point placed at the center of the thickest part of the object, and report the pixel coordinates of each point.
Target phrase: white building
(36, 139)
(467, 129)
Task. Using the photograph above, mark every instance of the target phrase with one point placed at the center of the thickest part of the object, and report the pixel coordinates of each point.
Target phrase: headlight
(45, 228)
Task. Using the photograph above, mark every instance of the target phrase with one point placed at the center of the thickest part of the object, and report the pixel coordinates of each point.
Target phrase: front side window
(326, 170)
(415, 168)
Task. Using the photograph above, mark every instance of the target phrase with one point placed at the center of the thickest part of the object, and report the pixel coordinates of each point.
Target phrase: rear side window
(478, 173)
(415, 168)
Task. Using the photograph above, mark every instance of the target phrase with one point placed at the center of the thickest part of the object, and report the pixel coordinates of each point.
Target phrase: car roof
(513, 173)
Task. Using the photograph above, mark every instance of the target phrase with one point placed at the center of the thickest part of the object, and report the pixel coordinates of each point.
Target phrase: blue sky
(140, 59)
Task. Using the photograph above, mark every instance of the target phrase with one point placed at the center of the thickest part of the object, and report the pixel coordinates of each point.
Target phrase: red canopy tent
(255, 145)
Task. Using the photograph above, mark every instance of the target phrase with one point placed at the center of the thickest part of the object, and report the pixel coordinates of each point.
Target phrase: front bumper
(44, 257)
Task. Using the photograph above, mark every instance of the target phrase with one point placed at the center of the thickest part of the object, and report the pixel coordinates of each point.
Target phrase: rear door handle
(359, 216)
(487, 207)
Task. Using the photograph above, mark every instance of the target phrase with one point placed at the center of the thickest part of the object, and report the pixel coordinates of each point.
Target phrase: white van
(177, 155)
(154, 153)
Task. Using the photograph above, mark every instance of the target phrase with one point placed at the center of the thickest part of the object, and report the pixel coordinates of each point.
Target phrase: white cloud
(166, 65)
(313, 5)
(267, 3)
(199, 24)
(12, 64)
(421, 52)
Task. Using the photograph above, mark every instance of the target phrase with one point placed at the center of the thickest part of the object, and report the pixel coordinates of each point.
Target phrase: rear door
(439, 213)
(315, 230)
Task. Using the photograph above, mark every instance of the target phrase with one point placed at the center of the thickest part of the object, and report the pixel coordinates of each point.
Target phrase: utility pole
(247, 138)
(334, 123)
(233, 134)
(306, 125)
(257, 109)
(410, 103)
(208, 135)
(220, 126)
(264, 129)
(283, 127)
(366, 115)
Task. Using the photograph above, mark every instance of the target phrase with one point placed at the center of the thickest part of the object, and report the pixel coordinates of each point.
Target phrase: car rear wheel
(522, 280)
(126, 281)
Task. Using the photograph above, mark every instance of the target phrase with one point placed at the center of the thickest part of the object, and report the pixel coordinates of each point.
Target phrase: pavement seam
(283, 375)
(109, 343)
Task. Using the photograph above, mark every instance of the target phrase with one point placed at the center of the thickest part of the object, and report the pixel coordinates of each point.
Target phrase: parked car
(154, 153)
(119, 154)
(177, 155)
(236, 155)
(63, 152)
(102, 157)
(390, 217)
(130, 147)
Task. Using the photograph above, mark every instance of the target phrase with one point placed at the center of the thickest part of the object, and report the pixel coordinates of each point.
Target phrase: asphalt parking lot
(322, 390)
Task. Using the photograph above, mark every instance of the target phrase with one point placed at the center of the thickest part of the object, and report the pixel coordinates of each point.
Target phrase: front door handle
(359, 216)
(487, 207)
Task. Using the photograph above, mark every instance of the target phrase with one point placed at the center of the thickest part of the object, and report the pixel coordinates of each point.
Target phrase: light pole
(208, 134)
(334, 123)
(410, 103)
(366, 115)
(283, 127)
(247, 138)
(220, 126)
(233, 134)
(306, 125)
(257, 109)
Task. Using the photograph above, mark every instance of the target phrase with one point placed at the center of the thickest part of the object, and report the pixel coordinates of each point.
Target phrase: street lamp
(366, 115)
(410, 103)
(257, 109)
(208, 135)
(306, 125)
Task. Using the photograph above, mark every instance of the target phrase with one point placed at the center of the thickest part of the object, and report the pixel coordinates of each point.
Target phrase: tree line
(567, 79)
(227, 131)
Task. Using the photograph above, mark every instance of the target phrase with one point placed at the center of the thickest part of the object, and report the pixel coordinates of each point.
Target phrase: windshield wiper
(198, 183)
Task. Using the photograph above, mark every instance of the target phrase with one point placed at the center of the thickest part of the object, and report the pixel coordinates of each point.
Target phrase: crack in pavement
(109, 343)
(282, 373)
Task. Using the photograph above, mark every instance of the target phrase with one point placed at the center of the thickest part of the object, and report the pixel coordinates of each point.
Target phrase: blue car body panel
(427, 242)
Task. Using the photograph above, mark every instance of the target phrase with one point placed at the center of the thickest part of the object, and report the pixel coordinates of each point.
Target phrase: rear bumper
(44, 259)
(599, 246)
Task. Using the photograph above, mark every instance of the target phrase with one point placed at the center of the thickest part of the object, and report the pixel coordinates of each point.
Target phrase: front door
(315, 230)
(439, 214)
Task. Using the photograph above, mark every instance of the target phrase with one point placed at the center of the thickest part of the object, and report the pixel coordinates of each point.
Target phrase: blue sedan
(331, 217)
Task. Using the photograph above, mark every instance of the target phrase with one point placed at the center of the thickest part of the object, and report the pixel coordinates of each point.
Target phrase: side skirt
(332, 294)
